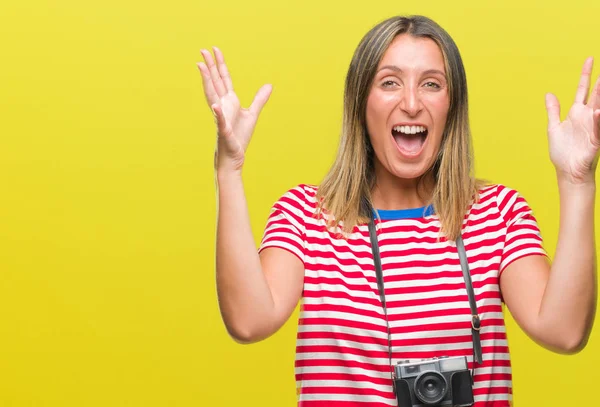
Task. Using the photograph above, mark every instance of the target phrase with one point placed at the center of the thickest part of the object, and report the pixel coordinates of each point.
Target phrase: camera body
(444, 381)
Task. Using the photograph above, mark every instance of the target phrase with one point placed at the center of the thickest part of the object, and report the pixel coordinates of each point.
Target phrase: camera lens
(431, 388)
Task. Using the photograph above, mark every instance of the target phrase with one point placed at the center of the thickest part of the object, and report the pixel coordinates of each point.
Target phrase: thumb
(553, 108)
(261, 98)
(223, 128)
(596, 133)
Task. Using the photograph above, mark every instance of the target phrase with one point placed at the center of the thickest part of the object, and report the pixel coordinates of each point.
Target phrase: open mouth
(410, 139)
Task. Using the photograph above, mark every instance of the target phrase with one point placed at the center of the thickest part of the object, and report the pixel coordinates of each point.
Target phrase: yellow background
(107, 206)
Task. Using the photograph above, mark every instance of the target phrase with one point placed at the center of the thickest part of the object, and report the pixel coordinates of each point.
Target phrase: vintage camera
(444, 381)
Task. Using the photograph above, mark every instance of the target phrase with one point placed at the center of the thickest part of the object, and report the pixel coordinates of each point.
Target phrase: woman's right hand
(235, 124)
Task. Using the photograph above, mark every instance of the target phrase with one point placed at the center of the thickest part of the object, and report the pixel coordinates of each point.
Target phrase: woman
(404, 159)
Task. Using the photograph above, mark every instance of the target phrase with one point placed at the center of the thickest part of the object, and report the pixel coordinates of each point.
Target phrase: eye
(432, 85)
(388, 83)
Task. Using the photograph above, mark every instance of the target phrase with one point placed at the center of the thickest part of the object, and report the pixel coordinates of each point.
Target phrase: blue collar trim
(394, 214)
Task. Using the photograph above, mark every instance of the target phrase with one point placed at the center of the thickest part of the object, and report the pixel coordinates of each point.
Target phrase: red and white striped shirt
(342, 344)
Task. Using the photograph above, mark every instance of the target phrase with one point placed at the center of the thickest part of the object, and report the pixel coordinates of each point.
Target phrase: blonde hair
(345, 192)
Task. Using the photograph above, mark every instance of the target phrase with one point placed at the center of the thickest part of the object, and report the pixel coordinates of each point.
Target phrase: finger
(214, 73)
(223, 127)
(594, 101)
(553, 108)
(584, 82)
(209, 89)
(223, 71)
(260, 99)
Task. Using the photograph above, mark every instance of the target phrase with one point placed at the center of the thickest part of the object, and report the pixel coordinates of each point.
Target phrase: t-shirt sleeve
(286, 226)
(523, 237)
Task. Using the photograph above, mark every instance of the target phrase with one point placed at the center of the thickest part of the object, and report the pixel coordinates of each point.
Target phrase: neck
(391, 192)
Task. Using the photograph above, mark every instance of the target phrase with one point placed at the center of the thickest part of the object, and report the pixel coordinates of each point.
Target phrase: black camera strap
(379, 274)
(464, 265)
(475, 320)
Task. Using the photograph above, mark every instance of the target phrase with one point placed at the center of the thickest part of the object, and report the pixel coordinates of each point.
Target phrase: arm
(555, 305)
(257, 294)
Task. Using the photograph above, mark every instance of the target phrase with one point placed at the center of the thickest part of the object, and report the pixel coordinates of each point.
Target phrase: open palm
(235, 124)
(575, 142)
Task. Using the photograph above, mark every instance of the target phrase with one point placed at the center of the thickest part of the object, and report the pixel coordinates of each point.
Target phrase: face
(407, 107)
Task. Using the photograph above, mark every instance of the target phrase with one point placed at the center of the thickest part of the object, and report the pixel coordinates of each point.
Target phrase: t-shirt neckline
(395, 214)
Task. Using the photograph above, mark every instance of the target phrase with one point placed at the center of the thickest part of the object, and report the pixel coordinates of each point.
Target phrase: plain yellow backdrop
(107, 205)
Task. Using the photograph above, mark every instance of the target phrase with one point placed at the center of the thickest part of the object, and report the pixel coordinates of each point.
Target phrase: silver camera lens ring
(425, 381)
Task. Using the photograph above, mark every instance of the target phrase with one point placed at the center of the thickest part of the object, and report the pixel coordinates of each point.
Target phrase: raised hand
(235, 124)
(575, 142)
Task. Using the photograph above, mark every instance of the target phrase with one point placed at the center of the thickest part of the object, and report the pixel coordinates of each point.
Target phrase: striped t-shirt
(342, 357)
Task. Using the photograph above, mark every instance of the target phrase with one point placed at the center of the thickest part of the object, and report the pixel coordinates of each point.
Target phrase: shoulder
(301, 194)
(500, 193)
(508, 201)
(299, 202)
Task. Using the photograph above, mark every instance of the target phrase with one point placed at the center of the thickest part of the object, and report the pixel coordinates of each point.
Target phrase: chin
(412, 171)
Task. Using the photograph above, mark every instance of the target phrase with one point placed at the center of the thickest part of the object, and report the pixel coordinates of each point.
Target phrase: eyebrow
(397, 69)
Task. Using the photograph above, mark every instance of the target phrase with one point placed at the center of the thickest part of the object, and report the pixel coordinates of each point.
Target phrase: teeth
(410, 129)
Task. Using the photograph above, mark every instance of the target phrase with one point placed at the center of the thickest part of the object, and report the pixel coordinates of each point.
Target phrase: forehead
(413, 53)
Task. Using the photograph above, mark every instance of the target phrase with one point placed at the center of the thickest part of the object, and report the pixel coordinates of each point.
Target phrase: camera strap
(475, 320)
(464, 265)
(379, 274)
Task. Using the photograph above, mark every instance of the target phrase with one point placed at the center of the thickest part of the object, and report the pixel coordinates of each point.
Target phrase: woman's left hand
(575, 142)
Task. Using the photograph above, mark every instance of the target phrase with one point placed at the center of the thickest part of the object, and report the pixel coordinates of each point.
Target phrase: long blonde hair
(348, 185)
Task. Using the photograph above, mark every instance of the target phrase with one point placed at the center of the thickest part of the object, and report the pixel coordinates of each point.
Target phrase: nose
(410, 101)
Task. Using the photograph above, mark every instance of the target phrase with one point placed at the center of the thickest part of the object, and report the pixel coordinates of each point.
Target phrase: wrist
(586, 182)
(569, 187)
(225, 176)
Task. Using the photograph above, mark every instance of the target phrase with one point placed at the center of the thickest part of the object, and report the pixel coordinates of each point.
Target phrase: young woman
(404, 160)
